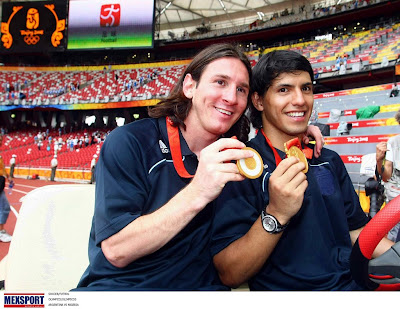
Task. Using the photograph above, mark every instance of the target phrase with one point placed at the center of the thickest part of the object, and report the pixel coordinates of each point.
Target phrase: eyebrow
(291, 85)
(245, 85)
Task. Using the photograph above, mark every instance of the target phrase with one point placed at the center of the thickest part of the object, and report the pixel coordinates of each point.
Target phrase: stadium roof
(176, 16)
(173, 17)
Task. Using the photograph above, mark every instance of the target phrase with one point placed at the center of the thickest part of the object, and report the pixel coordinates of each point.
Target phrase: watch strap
(279, 227)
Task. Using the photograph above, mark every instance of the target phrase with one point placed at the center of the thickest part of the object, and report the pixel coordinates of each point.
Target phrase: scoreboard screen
(33, 26)
(103, 24)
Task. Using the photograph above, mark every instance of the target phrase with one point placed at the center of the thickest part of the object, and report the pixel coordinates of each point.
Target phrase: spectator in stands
(152, 219)
(87, 140)
(12, 165)
(80, 142)
(316, 73)
(338, 62)
(92, 169)
(93, 138)
(388, 157)
(342, 69)
(361, 64)
(395, 91)
(53, 164)
(55, 147)
(40, 136)
(344, 59)
(385, 61)
(4, 204)
(70, 143)
(289, 229)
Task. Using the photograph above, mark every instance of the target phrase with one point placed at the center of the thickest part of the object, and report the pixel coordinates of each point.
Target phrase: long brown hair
(177, 105)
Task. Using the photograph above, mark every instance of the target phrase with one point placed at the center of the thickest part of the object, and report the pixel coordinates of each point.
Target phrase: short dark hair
(397, 116)
(177, 105)
(269, 67)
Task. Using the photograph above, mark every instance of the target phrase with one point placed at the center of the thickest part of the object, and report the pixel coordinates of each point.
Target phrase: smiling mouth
(223, 111)
(296, 114)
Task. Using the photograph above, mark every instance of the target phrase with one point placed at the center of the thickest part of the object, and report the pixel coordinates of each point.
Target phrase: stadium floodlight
(222, 4)
(166, 7)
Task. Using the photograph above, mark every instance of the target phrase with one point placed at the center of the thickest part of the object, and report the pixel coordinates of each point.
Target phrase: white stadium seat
(49, 249)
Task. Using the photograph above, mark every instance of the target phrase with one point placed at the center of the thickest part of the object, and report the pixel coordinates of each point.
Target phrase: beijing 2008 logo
(110, 15)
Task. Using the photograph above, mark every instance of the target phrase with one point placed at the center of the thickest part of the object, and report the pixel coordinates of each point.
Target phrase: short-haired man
(287, 230)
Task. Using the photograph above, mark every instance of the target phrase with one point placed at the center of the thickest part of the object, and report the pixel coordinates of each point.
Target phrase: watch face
(269, 224)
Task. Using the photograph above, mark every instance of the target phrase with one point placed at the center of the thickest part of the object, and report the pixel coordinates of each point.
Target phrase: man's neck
(279, 138)
(197, 140)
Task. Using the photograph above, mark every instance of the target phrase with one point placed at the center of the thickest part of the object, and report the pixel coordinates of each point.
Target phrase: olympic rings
(31, 40)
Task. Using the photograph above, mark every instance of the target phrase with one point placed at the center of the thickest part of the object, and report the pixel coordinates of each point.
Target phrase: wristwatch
(271, 224)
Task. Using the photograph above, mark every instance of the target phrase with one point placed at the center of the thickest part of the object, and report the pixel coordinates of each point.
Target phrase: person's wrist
(283, 218)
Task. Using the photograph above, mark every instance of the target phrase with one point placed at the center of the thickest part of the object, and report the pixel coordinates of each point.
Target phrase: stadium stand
(87, 86)
(32, 160)
(364, 134)
(369, 47)
(364, 50)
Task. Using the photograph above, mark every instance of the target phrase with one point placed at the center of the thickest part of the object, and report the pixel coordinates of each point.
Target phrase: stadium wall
(78, 175)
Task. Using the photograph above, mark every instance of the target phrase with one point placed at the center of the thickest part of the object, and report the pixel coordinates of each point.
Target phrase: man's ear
(189, 84)
(257, 101)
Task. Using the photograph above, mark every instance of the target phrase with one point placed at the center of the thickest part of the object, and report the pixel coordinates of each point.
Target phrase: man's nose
(298, 97)
(230, 94)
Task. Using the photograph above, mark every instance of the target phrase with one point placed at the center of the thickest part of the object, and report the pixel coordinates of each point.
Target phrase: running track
(21, 188)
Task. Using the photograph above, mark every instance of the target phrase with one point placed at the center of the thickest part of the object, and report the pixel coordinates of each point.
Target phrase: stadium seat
(49, 249)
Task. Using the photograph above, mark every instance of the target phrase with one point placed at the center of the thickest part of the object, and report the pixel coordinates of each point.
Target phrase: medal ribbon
(276, 155)
(294, 142)
(175, 146)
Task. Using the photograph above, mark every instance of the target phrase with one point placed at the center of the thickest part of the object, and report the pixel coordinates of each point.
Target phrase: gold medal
(294, 151)
(251, 167)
